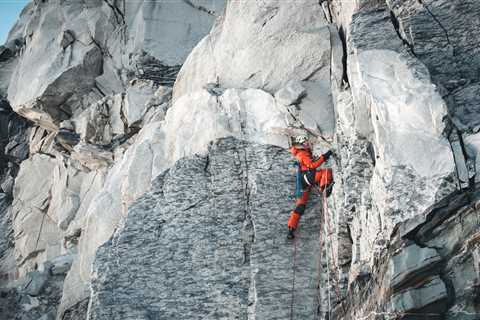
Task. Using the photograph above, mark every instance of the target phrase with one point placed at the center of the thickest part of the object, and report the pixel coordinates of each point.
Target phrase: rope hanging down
(293, 280)
(336, 280)
(334, 259)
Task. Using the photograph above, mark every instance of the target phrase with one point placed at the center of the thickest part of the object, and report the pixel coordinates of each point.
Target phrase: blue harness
(299, 185)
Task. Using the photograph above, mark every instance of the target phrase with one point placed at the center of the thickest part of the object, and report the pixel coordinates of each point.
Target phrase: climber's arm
(307, 160)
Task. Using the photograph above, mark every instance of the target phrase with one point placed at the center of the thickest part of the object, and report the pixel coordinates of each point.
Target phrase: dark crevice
(194, 205)
(95, 85)
(272, 15)
(451, 297)
(117, 12)
(436, 20)
(200, 8)
(312, 73)
(206, 168)
(341, 33)
(105, 53)
(456, 137)
(371, 153)
(396, 26)
(471, 181)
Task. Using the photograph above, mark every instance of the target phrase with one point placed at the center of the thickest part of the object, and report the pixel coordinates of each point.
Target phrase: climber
(310, 177)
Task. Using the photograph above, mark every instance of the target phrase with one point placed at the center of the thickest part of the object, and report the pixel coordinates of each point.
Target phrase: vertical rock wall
(212, 244)
(390, 86)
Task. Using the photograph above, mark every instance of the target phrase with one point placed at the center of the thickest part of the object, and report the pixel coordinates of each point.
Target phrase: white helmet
(301, 139)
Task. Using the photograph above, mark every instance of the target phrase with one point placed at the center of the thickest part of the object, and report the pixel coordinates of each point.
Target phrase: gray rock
(280, 41)
(316, 111)
(292, 93)
(84, 53)
(91, 156)
(396, 114)
(432, 294)
(472, 146)
(380, 103)
(216, 233)
(137, 96)
(460, 162)
(61, 264)
(34, 283)
(65, 193)
(412, 262)
(7, 185)
(37, 237)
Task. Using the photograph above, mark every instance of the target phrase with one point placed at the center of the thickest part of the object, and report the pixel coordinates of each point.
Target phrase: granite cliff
(145, 171)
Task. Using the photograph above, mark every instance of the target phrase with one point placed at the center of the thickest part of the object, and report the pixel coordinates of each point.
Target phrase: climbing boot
(291, 234)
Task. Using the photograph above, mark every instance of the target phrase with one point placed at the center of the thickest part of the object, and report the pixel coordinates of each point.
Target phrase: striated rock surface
(213, 239)
(153, 178)
(441, 284)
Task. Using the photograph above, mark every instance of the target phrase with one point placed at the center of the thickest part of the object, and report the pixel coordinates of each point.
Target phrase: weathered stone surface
(279, 41)
(13, 46)
(92, 156)
(435, 32)
(396, 114)
(432, 294)
(65, 193)
(389, 101)
(472, 146)
(34, 283)
(61, 264)
(7, 257)
(290, 94)
(137, 96)
(211, 211)
(316, 111)
(37, 237)
(411, 262)
(95, 48)
(13, 145)
(248, 114)
(62, 76)
(168, 30)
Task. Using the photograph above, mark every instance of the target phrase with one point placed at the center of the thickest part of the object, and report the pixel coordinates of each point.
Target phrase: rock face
(430, 276)
(152, 177)
(210, 232)
(280, 41)
(79, 53)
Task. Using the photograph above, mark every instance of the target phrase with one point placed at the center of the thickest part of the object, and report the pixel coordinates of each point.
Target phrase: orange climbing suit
(311, 177)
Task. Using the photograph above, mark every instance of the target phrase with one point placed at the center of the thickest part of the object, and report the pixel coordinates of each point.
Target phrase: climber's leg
(297, 212)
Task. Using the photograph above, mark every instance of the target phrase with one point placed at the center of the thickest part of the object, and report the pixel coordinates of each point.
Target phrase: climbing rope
(328, 276)
(293, 279)
(321, 244)
(334, 259)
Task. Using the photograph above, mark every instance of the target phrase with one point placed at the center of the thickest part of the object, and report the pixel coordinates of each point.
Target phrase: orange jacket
(304, 157)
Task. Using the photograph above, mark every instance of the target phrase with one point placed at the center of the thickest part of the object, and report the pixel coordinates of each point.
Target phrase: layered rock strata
(153, 178)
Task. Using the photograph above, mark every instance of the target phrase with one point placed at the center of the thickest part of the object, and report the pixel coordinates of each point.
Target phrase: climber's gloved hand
(327, 155)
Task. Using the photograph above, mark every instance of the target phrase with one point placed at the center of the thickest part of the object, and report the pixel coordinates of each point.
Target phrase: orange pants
(323, 178)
